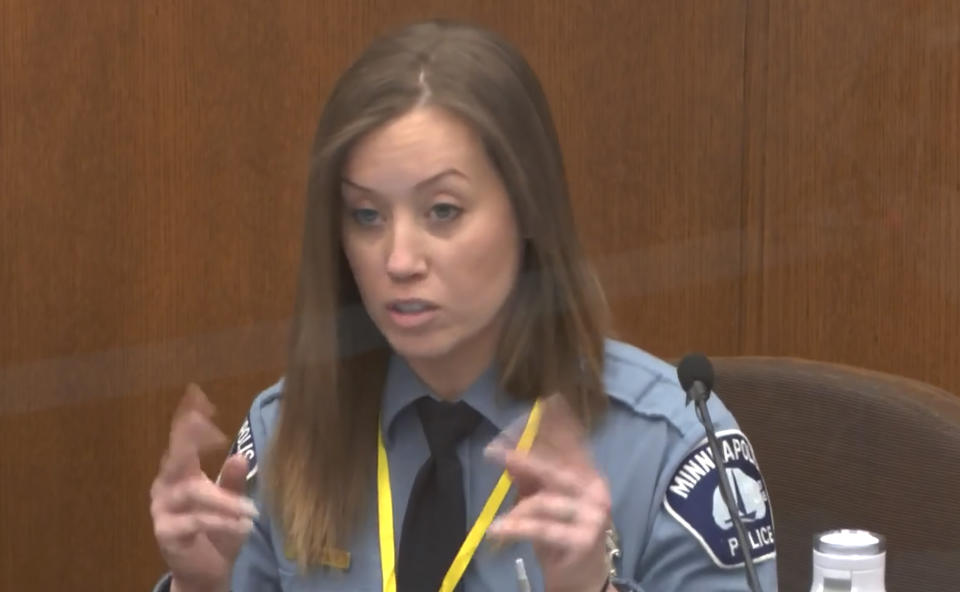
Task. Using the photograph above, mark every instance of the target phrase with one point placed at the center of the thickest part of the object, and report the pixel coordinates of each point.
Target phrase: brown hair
(322, 460)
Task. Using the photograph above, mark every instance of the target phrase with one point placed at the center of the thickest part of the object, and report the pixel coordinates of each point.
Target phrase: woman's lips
(412, 313)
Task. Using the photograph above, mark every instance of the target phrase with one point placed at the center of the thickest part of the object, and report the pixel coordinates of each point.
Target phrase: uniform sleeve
(692, 543)
(256, 566)
(678, 562)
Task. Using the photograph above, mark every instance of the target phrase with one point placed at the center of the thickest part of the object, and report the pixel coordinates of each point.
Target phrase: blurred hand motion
(563, 502)
(199, 524)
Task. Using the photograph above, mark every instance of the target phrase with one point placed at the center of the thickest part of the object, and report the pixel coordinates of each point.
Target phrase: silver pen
(523, 583)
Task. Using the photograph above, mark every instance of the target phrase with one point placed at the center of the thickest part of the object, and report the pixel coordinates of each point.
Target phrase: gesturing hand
(563, 502)
(199, 525)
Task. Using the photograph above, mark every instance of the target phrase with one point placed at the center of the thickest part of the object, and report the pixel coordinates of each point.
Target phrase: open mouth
(411, 313)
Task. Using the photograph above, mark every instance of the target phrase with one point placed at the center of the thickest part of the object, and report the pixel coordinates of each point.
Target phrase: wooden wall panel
(151, 177)
(151, 194)
(651, 108)
(853, 186)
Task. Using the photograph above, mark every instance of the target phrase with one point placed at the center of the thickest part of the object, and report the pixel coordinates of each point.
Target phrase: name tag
(330, 557)
(335, 558)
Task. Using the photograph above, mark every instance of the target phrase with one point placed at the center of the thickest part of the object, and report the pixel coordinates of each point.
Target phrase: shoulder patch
(245, 445)
(693, 497)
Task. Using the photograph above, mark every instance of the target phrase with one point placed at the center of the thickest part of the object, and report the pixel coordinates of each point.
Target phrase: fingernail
(494, 544)
(495, 452)
(250, 508)
(246, 525)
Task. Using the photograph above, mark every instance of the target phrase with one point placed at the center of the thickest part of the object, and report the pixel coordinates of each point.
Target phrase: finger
(191, 433)
(233, 474)
(202, 495)
(559, 427)
(561, 434)
(553, 536)
(533, 472)
(176, 528)
(565, 423)
(524, 484)
(217, 525)
(195, 409)
(194, 399)
(192, 419)
(559, 508)
(560, 439)
(181, 528)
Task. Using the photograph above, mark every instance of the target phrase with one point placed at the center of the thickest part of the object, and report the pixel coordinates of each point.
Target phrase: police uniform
(673, 529)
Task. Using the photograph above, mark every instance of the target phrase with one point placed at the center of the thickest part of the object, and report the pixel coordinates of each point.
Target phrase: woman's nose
(405, 257)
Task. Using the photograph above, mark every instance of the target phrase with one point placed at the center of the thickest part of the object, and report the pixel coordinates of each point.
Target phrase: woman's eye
(365, 216)
(444, 211)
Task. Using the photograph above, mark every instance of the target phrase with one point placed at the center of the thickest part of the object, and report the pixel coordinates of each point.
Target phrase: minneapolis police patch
(694, 498)
(245, 446)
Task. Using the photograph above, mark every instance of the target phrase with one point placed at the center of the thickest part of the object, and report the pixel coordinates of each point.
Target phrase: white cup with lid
(849, 560)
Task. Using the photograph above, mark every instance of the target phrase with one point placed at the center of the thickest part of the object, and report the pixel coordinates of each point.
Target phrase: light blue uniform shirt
(649, 446)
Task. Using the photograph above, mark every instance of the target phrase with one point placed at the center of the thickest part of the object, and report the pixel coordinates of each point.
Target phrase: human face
(431, 237)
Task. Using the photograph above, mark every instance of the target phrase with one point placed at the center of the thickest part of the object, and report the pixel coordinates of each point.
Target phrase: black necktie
(435, 522)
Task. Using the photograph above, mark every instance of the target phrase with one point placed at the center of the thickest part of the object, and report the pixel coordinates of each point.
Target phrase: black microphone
(696, 377)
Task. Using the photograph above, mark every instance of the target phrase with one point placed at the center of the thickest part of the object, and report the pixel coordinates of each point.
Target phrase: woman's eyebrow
(419, 186)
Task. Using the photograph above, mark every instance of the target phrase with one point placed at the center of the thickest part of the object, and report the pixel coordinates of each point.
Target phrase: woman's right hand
(200, 525)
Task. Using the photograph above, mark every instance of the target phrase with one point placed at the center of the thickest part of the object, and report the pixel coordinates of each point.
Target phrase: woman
(442, 296)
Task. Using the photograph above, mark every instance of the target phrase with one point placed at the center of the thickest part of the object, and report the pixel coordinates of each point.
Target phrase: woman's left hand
(562, 507)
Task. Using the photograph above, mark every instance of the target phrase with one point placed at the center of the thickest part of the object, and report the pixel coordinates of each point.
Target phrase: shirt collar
(403, 387)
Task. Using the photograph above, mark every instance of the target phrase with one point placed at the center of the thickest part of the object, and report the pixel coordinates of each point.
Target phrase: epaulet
(640, 381)
(648, 387)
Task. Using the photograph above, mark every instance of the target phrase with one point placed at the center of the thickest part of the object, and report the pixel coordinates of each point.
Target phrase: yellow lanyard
(479, 528)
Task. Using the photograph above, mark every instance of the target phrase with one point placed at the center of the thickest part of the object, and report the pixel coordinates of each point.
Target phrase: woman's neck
(450, 375)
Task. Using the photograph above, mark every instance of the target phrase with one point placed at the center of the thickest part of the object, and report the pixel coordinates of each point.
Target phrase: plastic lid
(849, 542)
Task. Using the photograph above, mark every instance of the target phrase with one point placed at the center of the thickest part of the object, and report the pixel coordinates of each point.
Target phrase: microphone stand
(698, 394)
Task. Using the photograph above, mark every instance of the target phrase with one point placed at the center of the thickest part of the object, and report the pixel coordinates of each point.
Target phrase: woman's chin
(420, 347)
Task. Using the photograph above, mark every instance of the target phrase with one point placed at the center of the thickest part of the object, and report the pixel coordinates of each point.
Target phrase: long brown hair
(322, 460)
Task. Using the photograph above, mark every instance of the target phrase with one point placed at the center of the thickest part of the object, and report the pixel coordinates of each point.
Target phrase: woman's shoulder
(643, 385)
(254, 433)
(265, 406)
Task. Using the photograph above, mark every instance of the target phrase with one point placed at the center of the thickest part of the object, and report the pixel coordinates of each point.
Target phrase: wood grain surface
(854, 187)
